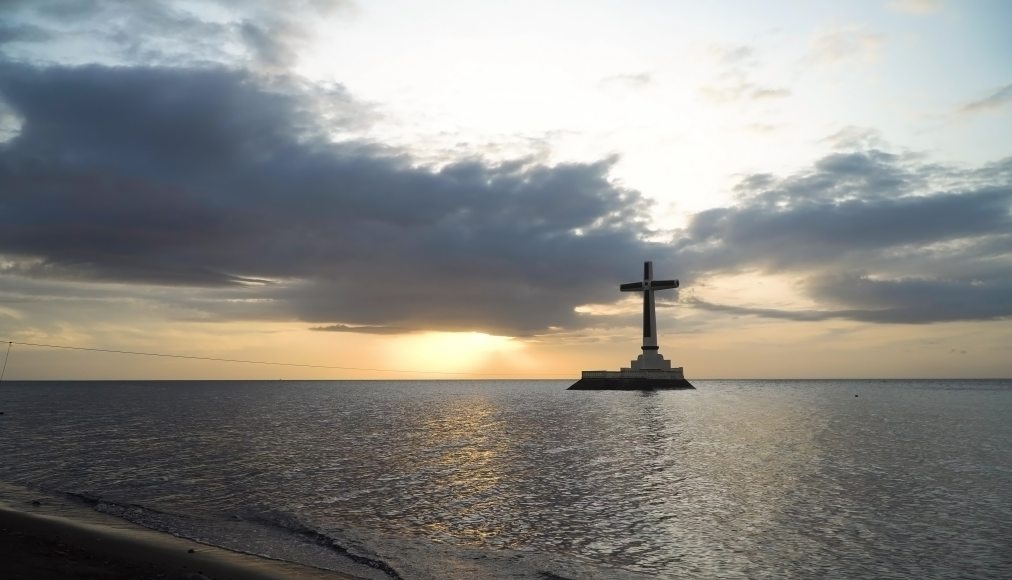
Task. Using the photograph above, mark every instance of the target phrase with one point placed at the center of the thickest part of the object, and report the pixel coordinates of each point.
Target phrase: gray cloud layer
(261, 35)
(206, 177)
(871, 236)
(222, 179)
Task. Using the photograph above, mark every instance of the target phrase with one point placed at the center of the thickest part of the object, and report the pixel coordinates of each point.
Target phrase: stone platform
(632, 380)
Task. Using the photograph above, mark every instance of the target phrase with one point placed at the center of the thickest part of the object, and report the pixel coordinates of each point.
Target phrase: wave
(292, 524)
(239, 532)
(287, 537)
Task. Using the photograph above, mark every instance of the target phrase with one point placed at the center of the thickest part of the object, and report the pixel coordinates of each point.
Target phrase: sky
(405, 190)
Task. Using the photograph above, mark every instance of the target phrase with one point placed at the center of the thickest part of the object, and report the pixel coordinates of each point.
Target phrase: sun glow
(453, 351)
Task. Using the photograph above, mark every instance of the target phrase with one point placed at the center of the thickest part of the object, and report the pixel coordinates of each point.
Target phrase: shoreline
(36, 545)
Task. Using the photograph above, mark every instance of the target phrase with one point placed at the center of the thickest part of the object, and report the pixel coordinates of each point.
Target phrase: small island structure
(650, 370)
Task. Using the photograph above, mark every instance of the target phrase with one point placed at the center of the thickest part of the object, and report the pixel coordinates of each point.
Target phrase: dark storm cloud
(228, 186)
(22, 33)
(919, 255)
(208, 177)
(811, 232)
(918, 300)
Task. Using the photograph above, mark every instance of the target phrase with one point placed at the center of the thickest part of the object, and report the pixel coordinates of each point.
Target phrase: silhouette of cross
(648, 286)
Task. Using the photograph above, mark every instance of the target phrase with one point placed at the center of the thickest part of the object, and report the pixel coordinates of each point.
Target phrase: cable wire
(244, 361)
(6, 356)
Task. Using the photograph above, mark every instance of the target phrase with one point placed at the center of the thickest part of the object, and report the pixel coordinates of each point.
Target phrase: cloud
(852, 138)
(917, 300)
(275, 34)
(118, 31)
(734, 55)
(212, 178)
(762, 128)
(272, 48)
(916, 7)
(733, 90)
(798, 315)
(22, 33)
(768, 93)
(221, 192)
(904, 301)
(734, 82)
(881, 237)
(629, 81)
(363, 329)
(847, 204)
(845, 44)
(256, 34)
(999, 99)
(777, 232)
(228, 185)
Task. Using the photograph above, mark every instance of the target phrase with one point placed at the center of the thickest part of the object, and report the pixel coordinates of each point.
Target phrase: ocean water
(523, 479)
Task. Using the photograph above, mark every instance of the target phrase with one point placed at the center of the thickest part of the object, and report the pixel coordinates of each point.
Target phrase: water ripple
(737, 479)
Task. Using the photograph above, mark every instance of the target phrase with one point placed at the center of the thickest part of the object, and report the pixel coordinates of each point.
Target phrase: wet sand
(35, 546)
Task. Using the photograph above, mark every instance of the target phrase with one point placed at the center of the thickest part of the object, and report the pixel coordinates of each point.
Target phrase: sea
(524, 479)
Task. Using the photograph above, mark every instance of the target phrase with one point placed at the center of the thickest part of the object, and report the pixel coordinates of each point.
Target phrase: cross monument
(650, 371)
(650, 359)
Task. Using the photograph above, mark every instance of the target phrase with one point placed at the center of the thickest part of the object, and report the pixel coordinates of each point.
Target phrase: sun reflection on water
(467, 445)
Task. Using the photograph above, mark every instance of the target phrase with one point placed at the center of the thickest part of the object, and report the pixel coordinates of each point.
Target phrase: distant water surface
(524, 479)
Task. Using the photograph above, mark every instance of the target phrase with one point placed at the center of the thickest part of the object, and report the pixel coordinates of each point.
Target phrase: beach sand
(39, 546)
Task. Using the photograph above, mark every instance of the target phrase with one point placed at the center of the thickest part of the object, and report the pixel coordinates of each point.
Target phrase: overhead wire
(6, 356)
(246, 361)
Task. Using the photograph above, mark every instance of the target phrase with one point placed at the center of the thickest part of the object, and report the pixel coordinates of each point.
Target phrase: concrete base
(650, 361)
(629, 380)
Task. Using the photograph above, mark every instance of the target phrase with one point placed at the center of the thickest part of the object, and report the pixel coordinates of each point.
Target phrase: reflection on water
(741, 478)
(464, 446)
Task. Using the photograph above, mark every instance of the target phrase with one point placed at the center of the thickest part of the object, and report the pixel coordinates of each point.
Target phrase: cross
(648, 286)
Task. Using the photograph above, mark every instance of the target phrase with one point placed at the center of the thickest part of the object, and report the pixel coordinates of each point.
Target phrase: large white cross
(648, 286)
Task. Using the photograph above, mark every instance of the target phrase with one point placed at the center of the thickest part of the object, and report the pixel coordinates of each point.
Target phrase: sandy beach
(39, 546)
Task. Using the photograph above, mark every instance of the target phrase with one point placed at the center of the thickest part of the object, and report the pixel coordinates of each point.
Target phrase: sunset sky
(461, 186)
